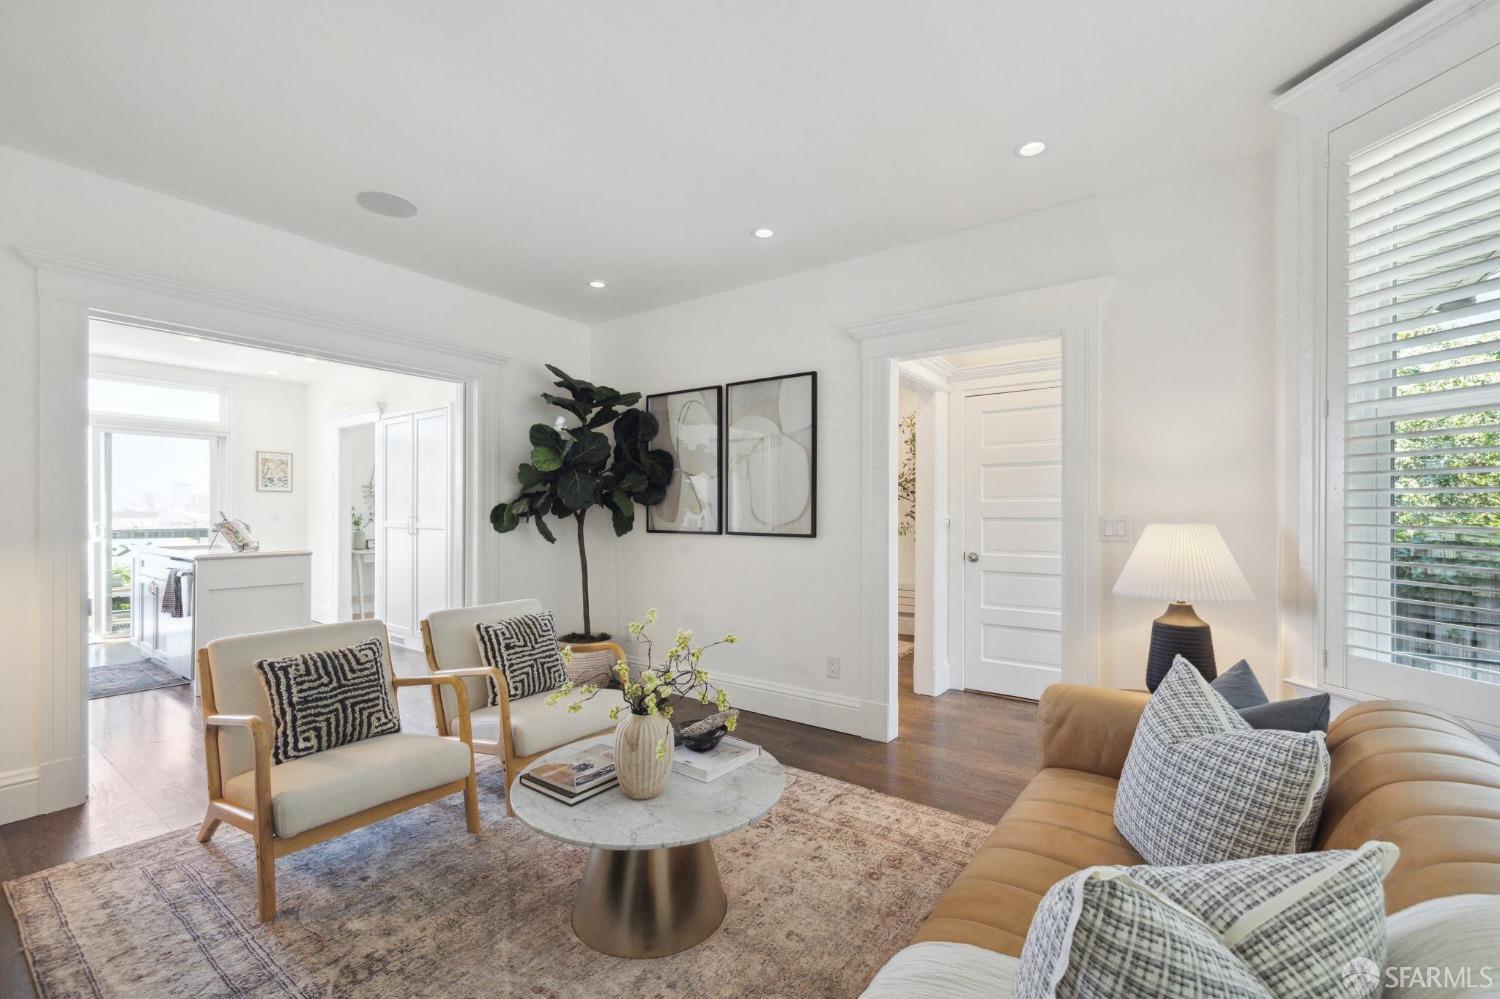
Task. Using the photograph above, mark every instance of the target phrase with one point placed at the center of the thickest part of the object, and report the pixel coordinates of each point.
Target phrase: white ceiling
(548, 144)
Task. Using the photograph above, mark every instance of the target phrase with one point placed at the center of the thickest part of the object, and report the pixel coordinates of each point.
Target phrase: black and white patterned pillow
(1291, 925)
(1201, 786)
(524, 648)
(320, 700)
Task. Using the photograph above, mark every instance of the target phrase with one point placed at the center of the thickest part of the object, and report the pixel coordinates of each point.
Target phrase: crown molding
(1025, 313)
(58, 265)
(1416, 29)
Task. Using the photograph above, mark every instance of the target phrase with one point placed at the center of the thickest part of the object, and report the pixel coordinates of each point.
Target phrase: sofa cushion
(524, 648)
(1200, 785)
(1061, 822)
(328, 698)
(536, 726)
(945, 971)
(314, 790)
(1265, 926)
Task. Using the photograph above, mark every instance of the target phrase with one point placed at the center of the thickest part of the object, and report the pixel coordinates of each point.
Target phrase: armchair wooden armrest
(599, 647)
(260, 736)
(452, 679)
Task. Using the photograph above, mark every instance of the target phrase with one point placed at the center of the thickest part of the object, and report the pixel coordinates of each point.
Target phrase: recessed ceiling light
(194, 339)
(384, 203)
(311, 360)
(764, 233)
(597, 284)
(1029, 149)
(273, 372)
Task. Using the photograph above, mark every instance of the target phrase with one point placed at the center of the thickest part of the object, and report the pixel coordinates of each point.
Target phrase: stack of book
(578, 777)
(729, 755)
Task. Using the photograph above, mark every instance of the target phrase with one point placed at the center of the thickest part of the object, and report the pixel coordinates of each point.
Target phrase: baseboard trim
(942, 679)
(62, 784)
(18, 794)
(819, 708)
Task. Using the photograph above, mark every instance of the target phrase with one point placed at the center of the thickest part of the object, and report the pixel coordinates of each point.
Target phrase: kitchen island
(185, 596)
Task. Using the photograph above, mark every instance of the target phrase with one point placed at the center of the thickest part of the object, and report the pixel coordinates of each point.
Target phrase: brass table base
(649, 903)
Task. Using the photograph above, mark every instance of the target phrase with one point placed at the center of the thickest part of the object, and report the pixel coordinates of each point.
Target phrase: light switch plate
(1115, 527)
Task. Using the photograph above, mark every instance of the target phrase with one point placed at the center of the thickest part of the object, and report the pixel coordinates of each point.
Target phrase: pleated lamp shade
(1183, 563)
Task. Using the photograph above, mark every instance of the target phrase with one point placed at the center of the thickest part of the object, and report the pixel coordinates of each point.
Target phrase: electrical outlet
(835, 667)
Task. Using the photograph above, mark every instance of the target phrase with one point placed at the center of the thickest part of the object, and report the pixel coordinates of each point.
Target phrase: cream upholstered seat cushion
(536, 727)
(314, 790)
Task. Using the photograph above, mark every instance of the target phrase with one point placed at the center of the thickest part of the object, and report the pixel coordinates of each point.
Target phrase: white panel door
(396, 560)
(430, 513)
(1013, 541)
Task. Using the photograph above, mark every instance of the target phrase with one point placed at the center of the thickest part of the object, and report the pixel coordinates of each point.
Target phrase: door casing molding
(1072, 311)
(70, 292)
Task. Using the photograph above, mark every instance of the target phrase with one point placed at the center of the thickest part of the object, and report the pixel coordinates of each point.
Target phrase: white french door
(1013, 508)
(414, 468)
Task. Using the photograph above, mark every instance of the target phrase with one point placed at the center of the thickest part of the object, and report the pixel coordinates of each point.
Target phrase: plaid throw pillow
(1309, 924)
(1201, 786)
(320, 700)
(524, 648)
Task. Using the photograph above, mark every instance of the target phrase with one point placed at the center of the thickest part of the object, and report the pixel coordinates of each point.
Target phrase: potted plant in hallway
(576, 468)
(643, 740)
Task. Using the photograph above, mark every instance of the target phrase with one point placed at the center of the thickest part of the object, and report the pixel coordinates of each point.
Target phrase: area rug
(131, 677)
(904, 648)
(822, 892)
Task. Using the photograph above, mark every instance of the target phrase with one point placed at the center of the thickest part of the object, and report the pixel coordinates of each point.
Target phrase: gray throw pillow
(1200, 785)
(1310, 924)
(1244, 693)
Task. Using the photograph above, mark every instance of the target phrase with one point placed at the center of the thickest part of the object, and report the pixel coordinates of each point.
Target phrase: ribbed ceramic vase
(641, 774)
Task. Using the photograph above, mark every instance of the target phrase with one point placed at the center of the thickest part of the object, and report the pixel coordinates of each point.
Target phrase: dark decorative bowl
(704, 741)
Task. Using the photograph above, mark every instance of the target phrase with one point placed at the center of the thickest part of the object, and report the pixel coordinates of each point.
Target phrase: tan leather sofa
(1401, 772)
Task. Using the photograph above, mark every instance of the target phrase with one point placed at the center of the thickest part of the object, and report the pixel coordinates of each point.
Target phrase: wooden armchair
(305, 801)
(517, 731)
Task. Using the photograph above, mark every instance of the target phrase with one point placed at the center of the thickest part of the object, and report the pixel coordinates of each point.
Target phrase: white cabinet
(413, 466)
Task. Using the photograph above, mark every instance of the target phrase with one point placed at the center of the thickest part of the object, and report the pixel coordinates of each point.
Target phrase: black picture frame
(663, 439)
(812, 452)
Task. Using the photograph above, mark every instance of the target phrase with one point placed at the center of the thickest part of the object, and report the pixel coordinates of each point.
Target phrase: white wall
(53, 207)
(265, 414)
(1186, 407)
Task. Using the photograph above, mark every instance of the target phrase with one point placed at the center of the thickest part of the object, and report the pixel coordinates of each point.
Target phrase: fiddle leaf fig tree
(576, 468)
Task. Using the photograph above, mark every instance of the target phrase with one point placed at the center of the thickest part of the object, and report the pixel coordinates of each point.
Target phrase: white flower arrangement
(653, 693)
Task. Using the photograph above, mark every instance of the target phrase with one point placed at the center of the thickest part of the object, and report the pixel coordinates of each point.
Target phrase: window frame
(1436, 57)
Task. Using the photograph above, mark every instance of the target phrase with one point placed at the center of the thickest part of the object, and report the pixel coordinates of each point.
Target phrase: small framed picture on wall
(771, 456)
(691, 431)
(273, 471)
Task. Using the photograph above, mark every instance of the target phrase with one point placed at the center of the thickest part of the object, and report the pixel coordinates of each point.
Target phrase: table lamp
(1184, 564)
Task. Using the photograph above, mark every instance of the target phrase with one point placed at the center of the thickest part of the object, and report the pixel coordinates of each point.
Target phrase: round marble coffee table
(651, 886)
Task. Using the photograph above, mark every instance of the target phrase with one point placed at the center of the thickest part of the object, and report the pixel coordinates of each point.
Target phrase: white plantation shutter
(1421, 434)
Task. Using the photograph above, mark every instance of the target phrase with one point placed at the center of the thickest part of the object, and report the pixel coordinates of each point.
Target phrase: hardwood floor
(962, 752)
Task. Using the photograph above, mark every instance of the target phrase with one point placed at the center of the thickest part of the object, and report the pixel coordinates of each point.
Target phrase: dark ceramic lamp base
(1179, 632)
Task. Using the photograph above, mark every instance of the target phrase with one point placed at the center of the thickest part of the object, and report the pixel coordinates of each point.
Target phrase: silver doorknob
(972, 556)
